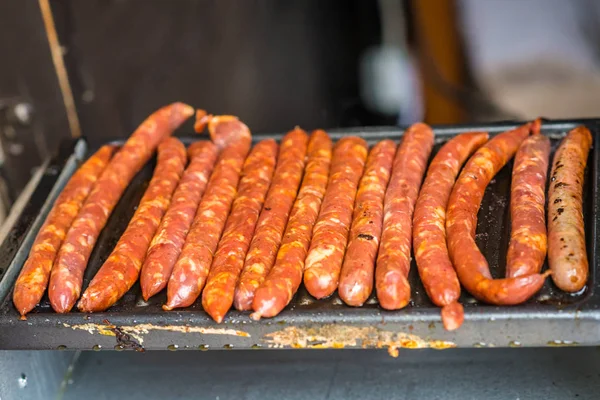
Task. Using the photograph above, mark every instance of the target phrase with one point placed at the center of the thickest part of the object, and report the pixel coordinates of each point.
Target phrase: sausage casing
(393, 261)
(67, 274)
(356, 278)
(273, 218)
(228, 262)
(567, 254)
(33, 279)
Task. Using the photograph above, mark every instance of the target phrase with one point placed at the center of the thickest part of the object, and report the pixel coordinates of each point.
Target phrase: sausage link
(191, 269)
(170, 236)
(393, 261)
(330, 234)
(33, 279)
(356, 279)
(429, 230)
(67, 275)
(461, 223)
(528, 240)
(286, 275)
(122, 268)
(273, 218)
(228, 262)
(567, 254)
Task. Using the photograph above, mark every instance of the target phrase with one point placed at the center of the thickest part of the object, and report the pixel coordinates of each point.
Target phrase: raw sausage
(273, 218)
(330, 234)
(121, 270)
(173, 229)
(286, 275)
(228, 262)
(393, 261)
(356, 279)
(33, 279)
(528, 240)
(461, 222)
(191, 269)
(67, 275)
(567, 254)
(429, 226)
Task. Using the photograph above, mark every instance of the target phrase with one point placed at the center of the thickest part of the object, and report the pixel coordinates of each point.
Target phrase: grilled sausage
(228, 262)
(356, 279)
(330, 234)
(67, 275)
(567, 254)
(33, 279)
(429, 226)
(528, 240)
(286, 275)
(191, 269)
(122, 268)
(461, 223)
(174, 227)
(273, 218)
(393, 261)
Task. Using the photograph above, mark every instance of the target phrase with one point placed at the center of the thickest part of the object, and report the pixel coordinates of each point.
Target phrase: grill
(551, 318)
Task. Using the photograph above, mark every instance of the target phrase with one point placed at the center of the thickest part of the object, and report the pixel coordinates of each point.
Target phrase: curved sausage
(122, 268)
(461, 223)
(429, 226)
(330, 234)
(33, 279)
(393, 261)
(170, 236)
(567, 254)
(528, 240)
(286, 275)
(273, 218)
(67, 275)
(356, 278)
(228, 262)
(191, 269)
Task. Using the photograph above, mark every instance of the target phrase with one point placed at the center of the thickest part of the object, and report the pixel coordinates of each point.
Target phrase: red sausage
(429, 229)
(528, 240)
(330, 235)
(170, 236)
(67, 275)
(356, 279)
(34, 276)
(393, 261)
(122, 268)
(461, 223)
(191, 269)
(286, 275)
(567, 254)
(228, 262)
(273, 218)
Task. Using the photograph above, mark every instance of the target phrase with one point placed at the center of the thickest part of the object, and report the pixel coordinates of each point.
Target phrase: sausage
(356, 279)
(191, 269)
(528, 240)
(567, 254)
(33, 279)
(67, 275)
(228, 262)
(273, 218)
(461, 222)
(172, 231)
(330, 234)
(122, 267)
(393, 261)
(429, 230)
(286, 275)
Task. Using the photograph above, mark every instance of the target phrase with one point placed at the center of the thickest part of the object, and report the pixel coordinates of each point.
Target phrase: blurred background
(97, 68)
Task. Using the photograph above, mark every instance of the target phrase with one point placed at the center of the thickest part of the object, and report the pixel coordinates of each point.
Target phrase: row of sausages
(244, 226)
